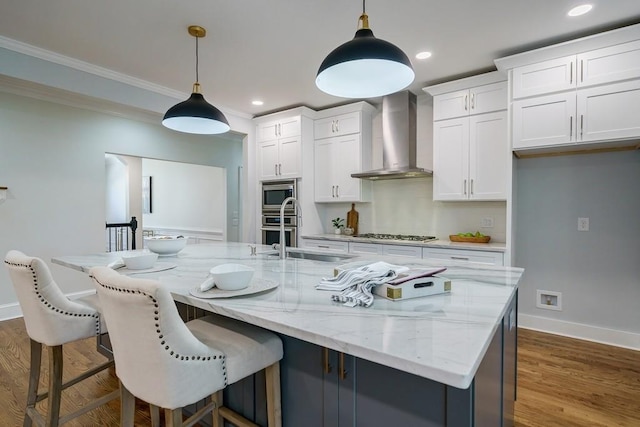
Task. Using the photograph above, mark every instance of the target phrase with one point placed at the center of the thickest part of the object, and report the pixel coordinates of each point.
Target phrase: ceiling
(271, 50)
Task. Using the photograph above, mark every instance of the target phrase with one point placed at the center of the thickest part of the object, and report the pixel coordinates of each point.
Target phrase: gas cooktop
(408, 237)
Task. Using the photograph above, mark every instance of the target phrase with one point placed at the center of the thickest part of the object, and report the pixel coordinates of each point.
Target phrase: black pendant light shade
(196, 115)
(365, 67)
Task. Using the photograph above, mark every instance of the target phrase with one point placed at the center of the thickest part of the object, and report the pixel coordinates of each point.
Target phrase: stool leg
(155, 415)
(55, 385)
(173, 417)
(217, 398)
(34, 380)
(274, 408)
(127, 407)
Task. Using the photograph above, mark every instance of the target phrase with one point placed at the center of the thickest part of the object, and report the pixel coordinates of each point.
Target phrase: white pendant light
(196, 115)
(365, 67)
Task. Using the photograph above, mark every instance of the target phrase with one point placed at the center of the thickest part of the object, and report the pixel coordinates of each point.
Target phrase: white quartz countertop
(440, 337)
(491, 247)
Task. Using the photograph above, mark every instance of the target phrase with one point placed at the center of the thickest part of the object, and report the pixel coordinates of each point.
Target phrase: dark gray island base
(326, 388)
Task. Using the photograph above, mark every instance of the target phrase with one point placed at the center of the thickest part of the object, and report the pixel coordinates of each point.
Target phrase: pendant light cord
(197, 80)
(363, 18)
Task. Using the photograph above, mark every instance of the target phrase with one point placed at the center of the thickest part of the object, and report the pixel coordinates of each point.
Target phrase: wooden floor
(561, 382)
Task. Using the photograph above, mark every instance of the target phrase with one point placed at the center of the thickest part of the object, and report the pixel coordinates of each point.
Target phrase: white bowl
(139, 260)
(166, 245)
(231, 277)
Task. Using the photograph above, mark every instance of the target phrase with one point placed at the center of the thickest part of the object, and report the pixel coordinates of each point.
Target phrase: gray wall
(598, 271)
(52, 161)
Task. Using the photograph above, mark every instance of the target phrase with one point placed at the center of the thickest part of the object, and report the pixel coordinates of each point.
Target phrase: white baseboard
(13, 310)
(581, 331)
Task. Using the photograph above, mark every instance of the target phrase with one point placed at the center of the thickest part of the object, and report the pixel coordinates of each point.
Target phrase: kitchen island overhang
(443, 338)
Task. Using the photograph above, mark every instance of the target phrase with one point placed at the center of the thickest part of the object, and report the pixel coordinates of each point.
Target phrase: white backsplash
(405, 206)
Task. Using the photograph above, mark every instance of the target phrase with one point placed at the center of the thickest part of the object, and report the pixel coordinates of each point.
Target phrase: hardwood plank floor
(561, 382)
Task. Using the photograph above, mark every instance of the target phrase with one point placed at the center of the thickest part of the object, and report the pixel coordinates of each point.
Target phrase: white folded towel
(356, 284)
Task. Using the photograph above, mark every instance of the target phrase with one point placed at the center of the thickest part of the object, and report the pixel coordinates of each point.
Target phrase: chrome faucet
(282, 244)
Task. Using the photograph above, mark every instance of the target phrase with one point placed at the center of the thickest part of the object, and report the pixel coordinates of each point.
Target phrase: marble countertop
(491, 247)
(440, 337)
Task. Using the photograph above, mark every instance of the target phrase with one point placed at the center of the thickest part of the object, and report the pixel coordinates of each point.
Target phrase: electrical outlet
(583, 224)
(549, 300)
(486, 222)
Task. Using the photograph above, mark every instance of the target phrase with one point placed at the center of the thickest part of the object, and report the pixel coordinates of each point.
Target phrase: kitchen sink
(318, 256)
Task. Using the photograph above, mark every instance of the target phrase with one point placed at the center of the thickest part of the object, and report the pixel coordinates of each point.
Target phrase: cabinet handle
(466, 97)
(342, 373)
(279, 168)
(571, 73)
(471, 187)
(581, 71)
(324, 246)
(337, 191)
(333, 191)
(461, 258)
(464, 187)
(473, 101)
(276, 168)
(581, 125)
(337, 125)
(570, 127)
(325, 360)
(333, 126)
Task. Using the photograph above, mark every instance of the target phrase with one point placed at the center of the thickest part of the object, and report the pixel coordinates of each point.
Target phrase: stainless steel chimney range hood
(399, 140)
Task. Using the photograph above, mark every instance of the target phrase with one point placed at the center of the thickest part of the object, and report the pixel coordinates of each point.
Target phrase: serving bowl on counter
(139, 260)
(231, 277)
(165, 245)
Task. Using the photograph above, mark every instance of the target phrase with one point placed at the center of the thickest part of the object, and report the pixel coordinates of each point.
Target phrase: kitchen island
(440, 360)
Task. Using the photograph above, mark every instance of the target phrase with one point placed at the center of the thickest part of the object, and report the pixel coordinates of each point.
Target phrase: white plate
(158, 266)
(256, 285)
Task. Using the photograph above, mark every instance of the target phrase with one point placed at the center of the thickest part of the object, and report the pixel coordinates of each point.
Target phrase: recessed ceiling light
(423, 55)
(257, 102)
(580, 10)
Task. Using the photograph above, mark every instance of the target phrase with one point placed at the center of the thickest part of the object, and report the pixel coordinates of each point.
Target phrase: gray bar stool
(52, 320)
(171, 364)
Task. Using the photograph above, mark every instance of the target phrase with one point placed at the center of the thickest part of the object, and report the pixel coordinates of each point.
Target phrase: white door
(451, 159)
(544, 121)
(451, 105)
(488, 98)
(609, 112)
(323, 164)
(347, 160)
(489, 156)
(268, 160)
(289, 157)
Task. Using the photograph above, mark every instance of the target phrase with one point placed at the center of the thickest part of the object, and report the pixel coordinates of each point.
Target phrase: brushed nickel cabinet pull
(324, 246)
(570, 127)
(471, 187)
(333, 191)
(341, 371)
(276, 168)
(325, 360)
(571, 74)
(581, 71)
(466, 97)
(461, 258)
(473, 101)
(337, 125)
(333, 126)
(279, 168)
(464, 187)
(581, 125)
(337, 191)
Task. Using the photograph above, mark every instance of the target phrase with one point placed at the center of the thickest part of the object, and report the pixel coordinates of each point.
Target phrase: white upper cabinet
(279, 145)
(283, 128)
(471, 153)
(343, 124)
(470, 157)
(342, 146)
(597, 67)
(477, 100)
(590, 97)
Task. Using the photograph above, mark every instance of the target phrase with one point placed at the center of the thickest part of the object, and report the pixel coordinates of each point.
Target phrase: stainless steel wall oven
(273, 194)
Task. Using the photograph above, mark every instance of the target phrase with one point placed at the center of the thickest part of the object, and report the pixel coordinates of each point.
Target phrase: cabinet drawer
(326, 245)
(401, 250)
(343, 124)
(493, 258)
(365, 248)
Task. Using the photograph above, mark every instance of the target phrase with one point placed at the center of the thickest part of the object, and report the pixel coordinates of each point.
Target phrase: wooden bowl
(456, 238)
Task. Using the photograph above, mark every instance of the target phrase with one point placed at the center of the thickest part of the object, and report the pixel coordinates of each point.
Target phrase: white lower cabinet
(326, 245)
(402, 250)
(484, 257)
(365, 248)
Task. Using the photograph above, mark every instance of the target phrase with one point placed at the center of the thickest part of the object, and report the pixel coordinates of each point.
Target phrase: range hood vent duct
(399, 140)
